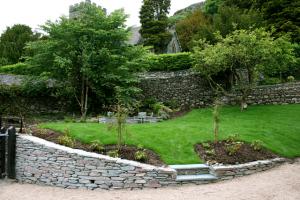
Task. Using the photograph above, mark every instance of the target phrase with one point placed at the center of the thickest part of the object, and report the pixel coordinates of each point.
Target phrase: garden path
(281, 183)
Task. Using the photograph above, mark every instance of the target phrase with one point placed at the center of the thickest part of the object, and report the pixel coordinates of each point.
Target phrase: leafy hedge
(18, 69)
(169, 62)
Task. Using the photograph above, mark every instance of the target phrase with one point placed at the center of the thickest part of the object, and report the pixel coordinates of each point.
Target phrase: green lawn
(277, 126)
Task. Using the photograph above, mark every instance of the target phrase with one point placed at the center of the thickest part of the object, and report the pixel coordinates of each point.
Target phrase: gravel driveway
(281, 183)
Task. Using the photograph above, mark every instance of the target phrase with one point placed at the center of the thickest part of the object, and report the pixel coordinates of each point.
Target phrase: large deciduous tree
(90, 54)
(154, 20)
(243, 51)
(13, 41)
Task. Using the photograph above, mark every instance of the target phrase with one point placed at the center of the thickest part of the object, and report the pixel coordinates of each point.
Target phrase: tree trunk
(84, 98)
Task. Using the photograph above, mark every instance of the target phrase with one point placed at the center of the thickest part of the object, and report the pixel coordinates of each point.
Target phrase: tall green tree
(243, 50)
(90, 54)
(154, 21)
(13, 41)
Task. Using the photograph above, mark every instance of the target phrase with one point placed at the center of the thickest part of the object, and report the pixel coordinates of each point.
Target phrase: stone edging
(225, 172)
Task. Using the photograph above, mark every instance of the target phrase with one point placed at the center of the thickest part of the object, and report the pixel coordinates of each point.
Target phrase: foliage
(19, 69)
(154, 21)
(229, 19)
(233, 138)
(211, 6)
(197, 23)
(13, 41)
(168, 62)
(66, 139)
(174, 140)
(252, 51)
(140, 155)
(233, 148)
(90, 54)
(290, 78)
(257, 145)
(270, 81)
(96, 145)
(281, 14)
(206, 145)
(113, 153)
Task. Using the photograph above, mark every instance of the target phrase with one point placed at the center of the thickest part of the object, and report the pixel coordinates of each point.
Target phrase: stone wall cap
(250, 164)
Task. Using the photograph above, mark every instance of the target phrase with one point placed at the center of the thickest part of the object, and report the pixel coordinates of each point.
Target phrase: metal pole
(11, 153)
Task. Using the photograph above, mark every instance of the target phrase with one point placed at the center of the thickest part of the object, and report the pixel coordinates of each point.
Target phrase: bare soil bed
(226, 153)
(126, 152)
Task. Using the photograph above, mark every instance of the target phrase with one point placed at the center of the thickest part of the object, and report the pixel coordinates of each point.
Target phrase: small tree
(243, 54)
(216, 119)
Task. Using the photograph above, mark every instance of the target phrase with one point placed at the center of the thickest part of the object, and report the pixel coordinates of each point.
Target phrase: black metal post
(2, 152)
(11, 157)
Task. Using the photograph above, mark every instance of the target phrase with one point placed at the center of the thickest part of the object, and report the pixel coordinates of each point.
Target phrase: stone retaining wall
(191, 90)
(232, 171)
(43, 162)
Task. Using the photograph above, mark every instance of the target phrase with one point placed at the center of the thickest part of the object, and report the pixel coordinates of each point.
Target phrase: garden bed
(126, 152)
(226, 152)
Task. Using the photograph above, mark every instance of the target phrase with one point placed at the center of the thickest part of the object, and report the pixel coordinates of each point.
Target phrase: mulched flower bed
(126, 152)
(220, 153)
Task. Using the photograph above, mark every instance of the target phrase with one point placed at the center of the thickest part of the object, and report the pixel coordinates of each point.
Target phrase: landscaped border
(42, 162)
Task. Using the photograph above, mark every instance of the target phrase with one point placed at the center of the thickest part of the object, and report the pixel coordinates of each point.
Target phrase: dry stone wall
(232, 171)
(46, 163)
(189, 89)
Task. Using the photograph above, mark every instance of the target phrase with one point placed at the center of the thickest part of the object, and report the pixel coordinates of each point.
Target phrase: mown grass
(277, 126)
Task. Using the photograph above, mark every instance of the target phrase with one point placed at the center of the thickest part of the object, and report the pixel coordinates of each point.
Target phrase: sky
(36, 12)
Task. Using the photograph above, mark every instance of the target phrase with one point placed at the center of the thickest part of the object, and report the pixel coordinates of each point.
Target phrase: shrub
(290, 78)
(113, 153)
(66, 141)
(233, 148)
(233, 138)
(140, 156)
(18, 69)
(270, 81)
(169, 62)
(97, 146)
(257, 145)
(210, 152)
(206, 145)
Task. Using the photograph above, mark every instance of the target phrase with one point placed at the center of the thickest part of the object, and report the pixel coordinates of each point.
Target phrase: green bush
(290, 78)
(233, 148)
(140, 156)
(97, 146)
(113, 153)
(257, 145)
(168, 62)
(270, 81)
(66, 139)
(18, 69)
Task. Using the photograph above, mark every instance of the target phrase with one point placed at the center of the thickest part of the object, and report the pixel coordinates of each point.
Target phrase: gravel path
(281, 183)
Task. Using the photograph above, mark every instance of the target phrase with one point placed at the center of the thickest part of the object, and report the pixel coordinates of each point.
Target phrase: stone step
(193, 169)
(201, 177)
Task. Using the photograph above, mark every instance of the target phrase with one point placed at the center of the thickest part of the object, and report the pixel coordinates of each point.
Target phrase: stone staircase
(194, 173)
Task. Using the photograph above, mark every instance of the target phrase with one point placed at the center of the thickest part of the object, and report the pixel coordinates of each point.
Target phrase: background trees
(13, 41)
(89, 54)
(244, 55)
(154, 20)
